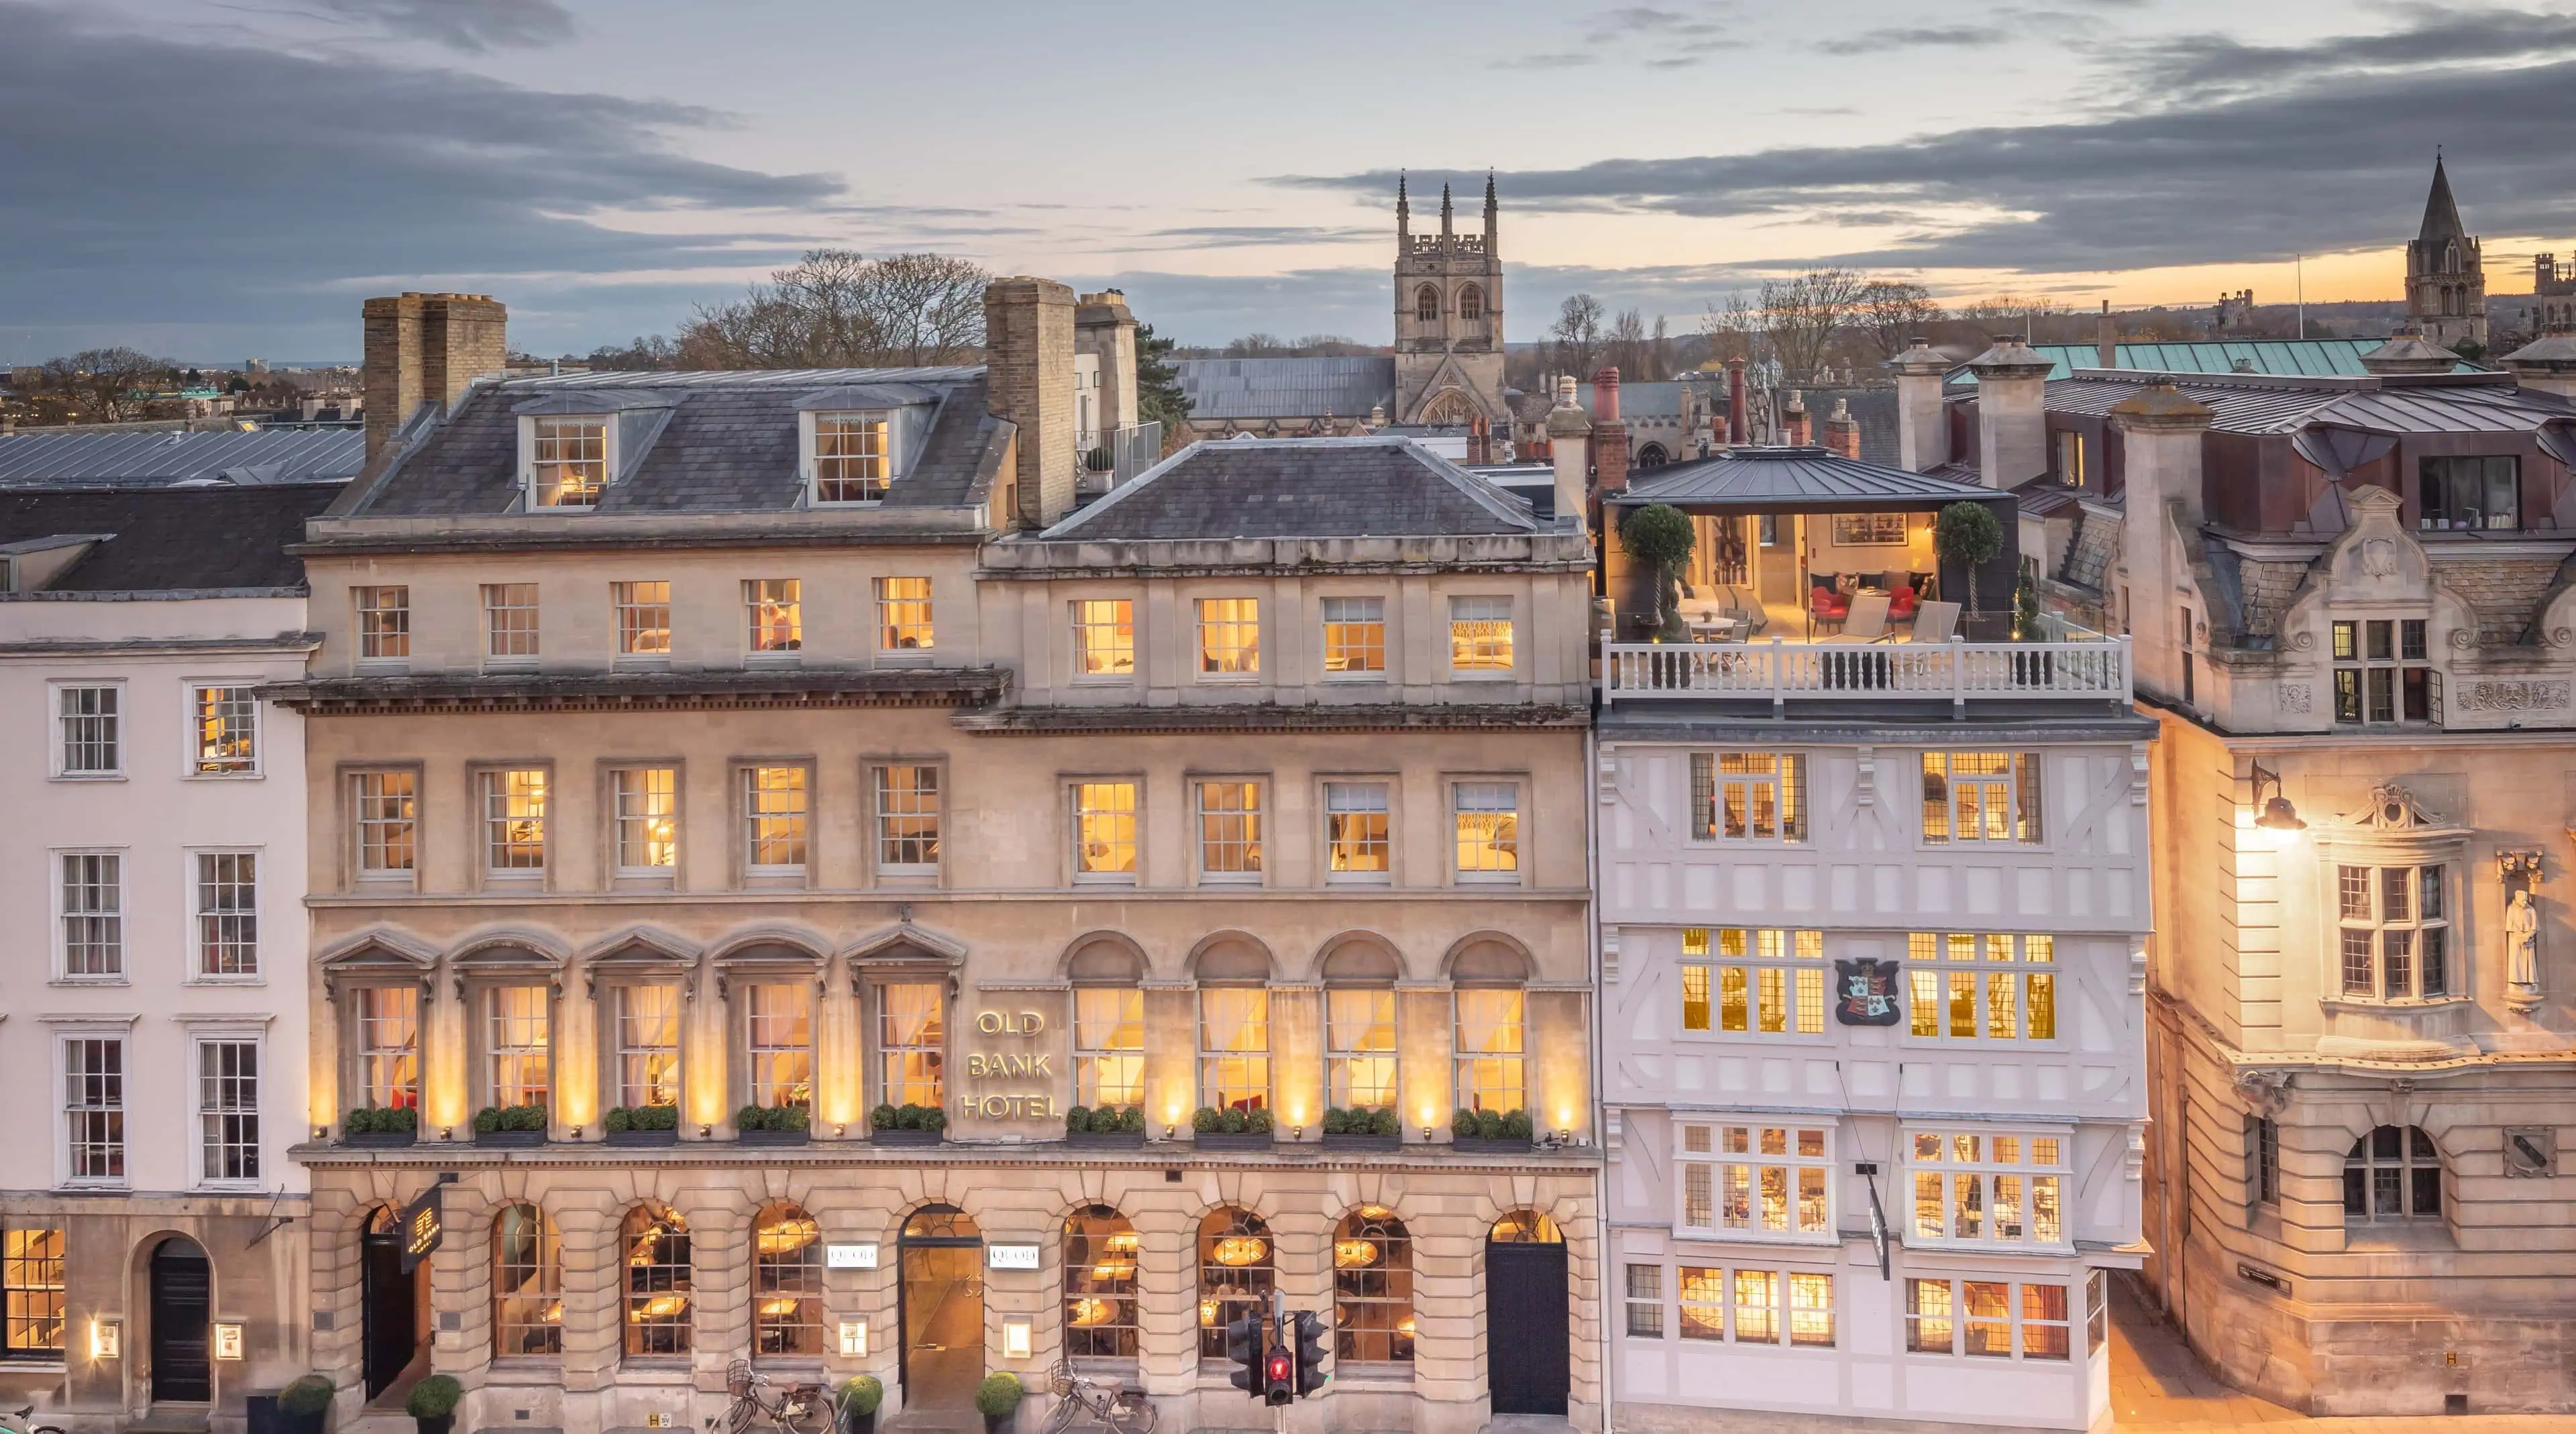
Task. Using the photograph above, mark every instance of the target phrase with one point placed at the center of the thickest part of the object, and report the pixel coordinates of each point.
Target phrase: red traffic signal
(1279, 1377)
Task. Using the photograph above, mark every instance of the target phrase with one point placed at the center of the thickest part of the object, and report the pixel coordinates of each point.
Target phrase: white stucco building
(151, 912)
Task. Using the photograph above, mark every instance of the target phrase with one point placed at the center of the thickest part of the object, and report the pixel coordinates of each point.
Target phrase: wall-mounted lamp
(1426, 1135)
(839, 1130)
(1296, 1132)
(1015, 1339)
(854, 1339)
(575, 1132)
(228, 1341)
(2277, 815)
(106, 1338)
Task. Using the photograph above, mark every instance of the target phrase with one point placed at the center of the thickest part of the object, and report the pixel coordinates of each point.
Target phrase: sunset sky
(215, 180)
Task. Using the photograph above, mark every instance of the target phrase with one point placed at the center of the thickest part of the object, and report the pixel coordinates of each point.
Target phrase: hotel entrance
(942, 1311)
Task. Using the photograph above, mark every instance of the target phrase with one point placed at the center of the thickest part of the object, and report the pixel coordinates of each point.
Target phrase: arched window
(1490, 1036)
(1100, 1253)
(787, 1283)
(1471, 303)
(527, 1284)
(656, 1242)
(1236, 1269)
(1372, 1289)
(1426, 304)
(1525, 1227)
(2393, 1174)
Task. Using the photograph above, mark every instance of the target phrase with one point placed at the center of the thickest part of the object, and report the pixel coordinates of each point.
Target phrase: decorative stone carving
(2394, 809)
(2511, 695)
(2295, 697)
(2521, 873)
(2379, 558)
(2268, 1091)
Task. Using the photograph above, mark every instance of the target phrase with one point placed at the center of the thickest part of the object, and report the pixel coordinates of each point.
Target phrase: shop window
(527, 1284)
(1372, 1289)
(2393, 932)
(1749, 796)
(1757, 1306)
(1101, 1253)
(1981, 796)
(2392, 1176)
(1757, 1180)
(32, 1284)
(658, 1286)
(1236, 1274)
(1994, 987)
(1753, 981)
(2383, 673)
(1976, 1187)
(787, 1284)
(2097, 1320)
(1983, 1319)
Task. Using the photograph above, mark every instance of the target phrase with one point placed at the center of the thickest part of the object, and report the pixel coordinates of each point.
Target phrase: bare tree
(837, 309)
(1802, 316)
(1894, 312)
(1660, 353)
(108, 385)
(1626, 349)
(1576, 335)
(2010, 314)
(1733, 329)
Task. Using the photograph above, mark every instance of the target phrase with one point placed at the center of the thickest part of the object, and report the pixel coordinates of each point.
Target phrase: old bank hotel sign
(1013, 1077)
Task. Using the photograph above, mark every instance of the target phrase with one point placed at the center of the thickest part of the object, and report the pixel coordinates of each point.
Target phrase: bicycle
(788, 1408)
(1118, 1410)
(22, 1421)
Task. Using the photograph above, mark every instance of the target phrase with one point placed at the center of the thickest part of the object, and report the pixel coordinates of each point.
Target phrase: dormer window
(853, 457)
(568, 462)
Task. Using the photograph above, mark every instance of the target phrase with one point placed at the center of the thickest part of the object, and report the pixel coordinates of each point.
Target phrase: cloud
(1955, 36)
(472, 26)
(1237, 236)
(2233, 153)
(136, 211)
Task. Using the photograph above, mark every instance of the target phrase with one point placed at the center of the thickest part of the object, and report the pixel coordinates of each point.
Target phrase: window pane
(227, 729)
(853, 457)
(1488, 819)
(1104, 638)
(1480, 634)
(514, 820)
(1229, 636)
(903, 614)
(1105, 828)
(907, 817)
(911, 1044)
(1354, 634)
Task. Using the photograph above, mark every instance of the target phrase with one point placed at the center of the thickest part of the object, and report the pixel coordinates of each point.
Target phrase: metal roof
(2240, 406)
(748, 377)
(1795, 480)
(1370, 486)
(152, 460)
(1287, 387)
(2315, 357)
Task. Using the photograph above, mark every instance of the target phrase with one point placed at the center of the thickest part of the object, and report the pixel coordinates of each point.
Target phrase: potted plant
(510, 1125)
(1966, 536)
(771, 1124)
(997, 1399)
(857, 1400)
(1362, 1128)
(1233, 1128)
(1491, 1130)
(378, 1125)
(1105, 1125)
(911, 1125)
(643, 1124)
(433, 1403)
(302, 1404)
(1660, 537)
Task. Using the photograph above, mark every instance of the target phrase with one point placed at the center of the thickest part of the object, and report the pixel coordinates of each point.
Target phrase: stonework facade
(1449, 320)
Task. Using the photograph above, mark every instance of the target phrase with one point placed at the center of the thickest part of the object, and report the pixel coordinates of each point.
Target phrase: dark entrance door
(182, 1294)
(940, 1309)
(391, 1310)
(1527, 1357)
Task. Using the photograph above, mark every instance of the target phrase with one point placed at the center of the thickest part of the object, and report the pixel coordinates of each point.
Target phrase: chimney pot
(1605, 396)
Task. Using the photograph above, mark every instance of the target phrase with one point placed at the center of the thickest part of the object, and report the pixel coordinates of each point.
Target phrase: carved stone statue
(2522, 951)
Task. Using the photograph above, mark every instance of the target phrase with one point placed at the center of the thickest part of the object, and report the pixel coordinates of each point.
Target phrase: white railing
(1780, 671)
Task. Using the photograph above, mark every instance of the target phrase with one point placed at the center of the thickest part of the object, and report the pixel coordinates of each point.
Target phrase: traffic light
(1279, 1377)
(1310, 1354)
(1243, 1350)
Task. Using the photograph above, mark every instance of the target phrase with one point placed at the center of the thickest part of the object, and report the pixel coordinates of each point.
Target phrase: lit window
(1359, 1048)
(1755, 796)
(853, 457)
(1108, 1046)
(1354, 635)
(570, 461)
(509, 621)
(643, 618)
(1645, 1302)
(387, 822)
(1372, 1289)
(227, 729)
(903, 614)
(2391, 1175)
(786, 1284)
(226, 900)
(1488, 830)
(2382, 672)
(1229, 829)
(93, 914)
(1981, 796)
(1981, 1318)
(1104, 638)
(2469, 492)
(1480, 634)
(775, 608)
(514, 820)
(1356, 831)
(1104, 830)
(1234, 1048)
(907, 820)
(1101, 1254)
(94, 1107)
(32, 1277)
(527, 1284)
(1994, 987)
(388, 1047)
(1489, 1051)
(648, 1046)
(1757, 1306)
(1238, 1269)
(773, 818)
(517, 1067)
(228, 1109)
(778, 1039)
(648, 819)
(912, 1043)
(1229, 636)
(655, 1242)
(1979, 1187)
(2394, 930)
(1753, 981)
(1757, 1180)
(91, 729)
(384, 624)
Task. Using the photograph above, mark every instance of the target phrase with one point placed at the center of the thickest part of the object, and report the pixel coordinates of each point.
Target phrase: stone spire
(2441, 213)
(1444, 214)
(1403, 216)
(1492, 209)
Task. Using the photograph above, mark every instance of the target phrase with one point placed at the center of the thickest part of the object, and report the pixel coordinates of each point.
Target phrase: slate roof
(172, 539)
(110, 460)
(2244, 405)
(713, 442)
(1287, 387)
(1371, 486)
(1809, 479)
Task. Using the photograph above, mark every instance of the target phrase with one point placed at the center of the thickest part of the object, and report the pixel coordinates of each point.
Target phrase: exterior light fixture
(1426, 1135)
(228, 1341)
(1170, 1131)
(2278, 815)
(106, 1338)
(839, 1130)
(1296, 1132)
(1015, 1339)
(854, 1339)
(576, 1132)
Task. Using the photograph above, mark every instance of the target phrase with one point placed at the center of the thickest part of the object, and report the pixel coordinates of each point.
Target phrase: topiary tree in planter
(433, 1403)
(857, 1400)
(1661, 536)
(1967, 535)
(303, 1403)
(997, 1399)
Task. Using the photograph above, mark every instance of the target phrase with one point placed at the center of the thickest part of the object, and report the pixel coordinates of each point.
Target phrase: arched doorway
(941, 1308)
(1528, 1364)
(182, 1295)
(391, 1298)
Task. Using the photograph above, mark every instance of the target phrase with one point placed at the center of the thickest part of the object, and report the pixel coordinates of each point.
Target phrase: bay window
(1978, 1187)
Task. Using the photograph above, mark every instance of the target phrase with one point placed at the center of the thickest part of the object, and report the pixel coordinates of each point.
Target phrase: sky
(218, 179)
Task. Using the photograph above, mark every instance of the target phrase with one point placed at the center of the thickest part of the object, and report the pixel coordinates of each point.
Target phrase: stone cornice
(658, 691)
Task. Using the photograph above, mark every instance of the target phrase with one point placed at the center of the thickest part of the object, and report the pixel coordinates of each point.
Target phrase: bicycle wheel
(1141, 1416)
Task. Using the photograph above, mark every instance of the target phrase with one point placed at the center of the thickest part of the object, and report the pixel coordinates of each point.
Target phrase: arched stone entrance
(941, 1301)
(1528, 1360)
(182, 1284)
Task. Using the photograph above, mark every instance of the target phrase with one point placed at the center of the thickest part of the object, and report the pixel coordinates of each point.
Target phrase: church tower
(2446, 281)
(1448, 318)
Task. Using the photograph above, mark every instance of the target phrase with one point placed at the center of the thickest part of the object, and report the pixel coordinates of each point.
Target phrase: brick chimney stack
(2106, 339)
(1609, 435)
(1922, 423)
(1739, 428)
(1028, 378)
(1842, 431)
(425, 348)
(1793, 418)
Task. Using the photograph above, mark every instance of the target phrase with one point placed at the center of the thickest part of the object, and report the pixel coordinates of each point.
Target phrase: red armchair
(1827, 607)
